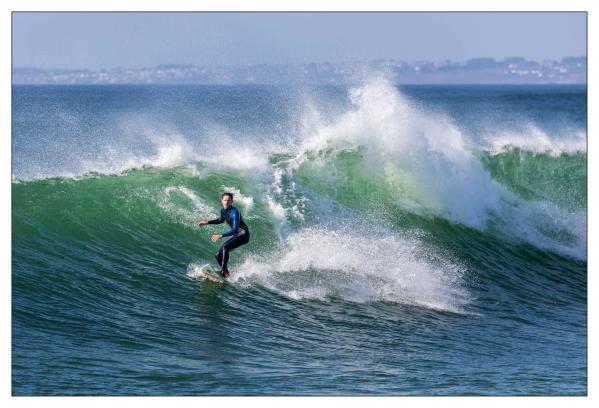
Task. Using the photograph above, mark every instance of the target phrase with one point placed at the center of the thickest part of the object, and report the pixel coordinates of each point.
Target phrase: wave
(354, 205)
(382, 149)
(342, 247)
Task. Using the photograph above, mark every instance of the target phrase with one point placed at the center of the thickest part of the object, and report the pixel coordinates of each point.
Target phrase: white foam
(276, 209)
(185, 215)
(546, 226)
(535, 140)
(173, 155)
(228, 150)
(194, 271)
(246, 201)
(357, 266)
(197, 201)
(168, 151)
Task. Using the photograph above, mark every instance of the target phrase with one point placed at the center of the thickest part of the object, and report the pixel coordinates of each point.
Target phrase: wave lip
(535, 140)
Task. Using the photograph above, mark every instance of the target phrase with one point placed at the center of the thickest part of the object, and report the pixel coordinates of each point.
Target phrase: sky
(109, 40)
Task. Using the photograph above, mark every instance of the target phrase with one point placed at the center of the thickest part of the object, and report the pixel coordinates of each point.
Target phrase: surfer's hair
(227, 194)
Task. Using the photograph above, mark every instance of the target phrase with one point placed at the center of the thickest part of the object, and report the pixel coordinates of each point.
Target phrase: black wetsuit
(239, 233)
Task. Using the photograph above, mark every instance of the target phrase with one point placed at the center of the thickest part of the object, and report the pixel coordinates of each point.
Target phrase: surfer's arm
(218, 220)
(234, 222)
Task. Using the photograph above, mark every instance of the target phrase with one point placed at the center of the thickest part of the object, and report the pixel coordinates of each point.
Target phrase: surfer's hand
(216, 238)
(202, 223)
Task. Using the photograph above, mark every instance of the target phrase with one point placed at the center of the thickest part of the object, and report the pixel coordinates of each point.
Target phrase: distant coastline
(514, 70)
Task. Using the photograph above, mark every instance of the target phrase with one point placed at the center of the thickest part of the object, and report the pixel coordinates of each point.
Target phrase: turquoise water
(405, 241)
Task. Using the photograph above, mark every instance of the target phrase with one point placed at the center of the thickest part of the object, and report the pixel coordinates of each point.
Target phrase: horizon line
(234, 65)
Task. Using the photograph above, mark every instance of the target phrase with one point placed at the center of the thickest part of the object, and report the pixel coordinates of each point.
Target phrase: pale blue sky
(107, 40)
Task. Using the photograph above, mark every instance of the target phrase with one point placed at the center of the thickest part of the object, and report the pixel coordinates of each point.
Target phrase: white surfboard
(208, 273)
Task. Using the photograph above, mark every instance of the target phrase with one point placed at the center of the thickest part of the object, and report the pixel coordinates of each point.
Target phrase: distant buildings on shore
(515, 70)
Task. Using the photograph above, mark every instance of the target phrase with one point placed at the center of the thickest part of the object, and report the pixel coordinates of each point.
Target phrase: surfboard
(210, 274)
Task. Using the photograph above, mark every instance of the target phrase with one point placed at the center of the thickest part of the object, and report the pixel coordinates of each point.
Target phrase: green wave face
(142, 214)
(560, 179)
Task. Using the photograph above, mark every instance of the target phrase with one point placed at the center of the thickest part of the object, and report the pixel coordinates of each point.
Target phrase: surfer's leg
(223, 265)
(230, 245)
(219, 255)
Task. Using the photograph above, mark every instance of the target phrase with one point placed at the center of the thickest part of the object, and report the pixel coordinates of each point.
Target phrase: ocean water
(424, 240)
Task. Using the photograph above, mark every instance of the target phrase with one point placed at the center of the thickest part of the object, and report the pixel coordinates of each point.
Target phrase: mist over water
(373, 209)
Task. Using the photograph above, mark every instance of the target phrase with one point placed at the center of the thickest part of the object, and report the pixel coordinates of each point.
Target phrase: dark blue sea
(406, 240)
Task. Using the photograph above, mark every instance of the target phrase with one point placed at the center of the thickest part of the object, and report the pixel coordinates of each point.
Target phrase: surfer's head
(227, 200)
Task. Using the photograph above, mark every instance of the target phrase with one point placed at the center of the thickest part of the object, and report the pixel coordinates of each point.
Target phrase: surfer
(239, 232)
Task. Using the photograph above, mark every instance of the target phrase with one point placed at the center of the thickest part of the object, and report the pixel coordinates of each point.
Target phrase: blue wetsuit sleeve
(235, 222)
(219, 220)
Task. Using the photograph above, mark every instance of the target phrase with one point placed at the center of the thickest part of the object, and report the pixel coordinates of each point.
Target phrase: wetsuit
(239, 233)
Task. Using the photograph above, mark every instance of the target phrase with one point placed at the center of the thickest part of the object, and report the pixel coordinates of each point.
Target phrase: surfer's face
(227, 201)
